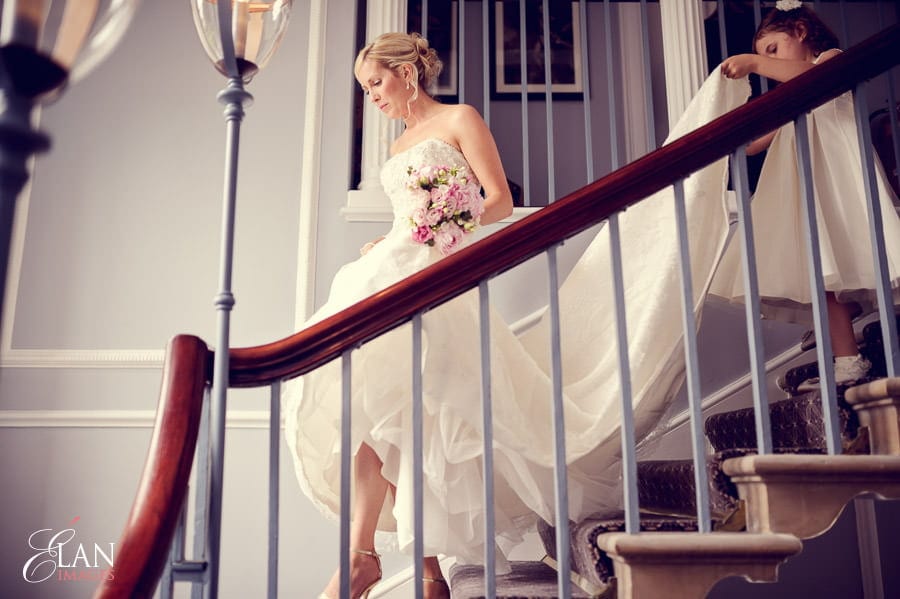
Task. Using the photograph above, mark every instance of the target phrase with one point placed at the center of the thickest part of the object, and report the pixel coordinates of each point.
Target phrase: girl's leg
(849, 365)
(840, 325)
(370, 490)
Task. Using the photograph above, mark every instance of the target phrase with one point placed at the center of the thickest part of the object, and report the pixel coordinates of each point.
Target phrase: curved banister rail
(580, 210)
(144, 544)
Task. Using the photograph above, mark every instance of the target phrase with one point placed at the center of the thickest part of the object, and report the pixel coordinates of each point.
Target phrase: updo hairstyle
(396, 49)
(819, 37)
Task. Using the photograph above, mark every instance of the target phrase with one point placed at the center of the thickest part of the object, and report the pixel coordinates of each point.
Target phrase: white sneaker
(849, 369)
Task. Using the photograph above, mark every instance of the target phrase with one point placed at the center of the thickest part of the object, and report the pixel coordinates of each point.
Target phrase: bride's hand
(365, 249)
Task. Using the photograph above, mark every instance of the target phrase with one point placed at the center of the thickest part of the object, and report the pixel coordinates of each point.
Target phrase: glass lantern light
(44, 46)
(257, 27)
(239, 36)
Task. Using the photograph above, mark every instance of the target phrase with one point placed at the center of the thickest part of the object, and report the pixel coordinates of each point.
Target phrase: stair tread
(526, 580)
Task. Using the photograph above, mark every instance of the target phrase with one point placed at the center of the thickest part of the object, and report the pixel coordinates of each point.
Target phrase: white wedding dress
(523, 436)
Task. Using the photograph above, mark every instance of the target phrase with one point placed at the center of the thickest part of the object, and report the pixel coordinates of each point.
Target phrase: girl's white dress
(520, 367)
(841, 216)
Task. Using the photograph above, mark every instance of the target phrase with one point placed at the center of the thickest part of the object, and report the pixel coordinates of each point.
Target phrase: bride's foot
(365, 573)
(435, 588)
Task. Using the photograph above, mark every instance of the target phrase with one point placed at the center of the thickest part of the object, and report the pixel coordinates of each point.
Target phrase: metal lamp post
(239, 37)
(44, 46)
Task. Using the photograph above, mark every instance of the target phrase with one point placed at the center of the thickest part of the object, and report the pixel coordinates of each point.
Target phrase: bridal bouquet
(449, 205)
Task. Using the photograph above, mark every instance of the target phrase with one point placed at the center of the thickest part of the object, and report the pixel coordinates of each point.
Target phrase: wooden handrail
(580, 210)
(143, 548)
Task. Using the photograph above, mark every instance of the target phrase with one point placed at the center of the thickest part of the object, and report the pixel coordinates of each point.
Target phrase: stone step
(803, 495)
(592, 569)
(688, 565)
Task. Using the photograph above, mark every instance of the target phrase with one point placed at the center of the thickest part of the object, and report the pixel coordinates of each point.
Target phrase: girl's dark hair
(818, 36)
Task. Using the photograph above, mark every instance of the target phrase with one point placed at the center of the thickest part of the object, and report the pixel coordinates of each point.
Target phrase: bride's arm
(477, 144)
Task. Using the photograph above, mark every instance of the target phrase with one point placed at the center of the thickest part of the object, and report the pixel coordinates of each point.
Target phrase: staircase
(756, 498)
(762, 506)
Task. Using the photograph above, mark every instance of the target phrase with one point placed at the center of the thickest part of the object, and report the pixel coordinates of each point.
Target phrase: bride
(395, 71)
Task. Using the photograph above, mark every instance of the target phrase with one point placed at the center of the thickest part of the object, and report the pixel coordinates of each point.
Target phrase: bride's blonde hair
(394, 50)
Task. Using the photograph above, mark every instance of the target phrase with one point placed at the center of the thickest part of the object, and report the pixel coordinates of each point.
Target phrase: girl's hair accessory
(788, 4)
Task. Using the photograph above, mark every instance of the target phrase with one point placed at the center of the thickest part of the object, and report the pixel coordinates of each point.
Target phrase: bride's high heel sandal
(365, 592)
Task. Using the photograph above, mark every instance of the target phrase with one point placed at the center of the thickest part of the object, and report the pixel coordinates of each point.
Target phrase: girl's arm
(760, 143)
(779, 69)
(477, 144)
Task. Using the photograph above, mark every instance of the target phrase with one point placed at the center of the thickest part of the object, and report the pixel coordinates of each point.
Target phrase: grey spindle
(757, 19)
(274, 486)
(892, 102)
(751, 302)
(845, 36)
(548, 104)
(695, 399)
(418, 495)
(561, 493)
(201, 490)
(723, 34)
(523, 74)
(817, 287)
(648, 78)
(629, 461)
(586, 91)
(176, 555)
(490, 574)
(461, 52)
(610, 88)
(346, 468)
(486, 60)
(425, 19)
(876, 232)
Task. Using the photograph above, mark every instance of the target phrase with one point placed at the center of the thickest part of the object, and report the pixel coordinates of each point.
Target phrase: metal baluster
(586, 93)
(490, 574)
(461, 51)
(523, 73)
(751, 302)
(561, 491)
(425, 19)
(876, 228)
(548, 104)
(176, 554)
(648, 79)
(346, 469)
(486, 60)
(629, 461)
(892, 104)
(723, 35)
(611, 89)
(418, 495)
(817, 287)
(757, 18)
(695, 398)
(201, 492)
(274, 486)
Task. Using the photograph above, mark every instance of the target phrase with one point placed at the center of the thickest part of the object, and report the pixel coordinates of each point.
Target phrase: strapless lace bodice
(395, 172)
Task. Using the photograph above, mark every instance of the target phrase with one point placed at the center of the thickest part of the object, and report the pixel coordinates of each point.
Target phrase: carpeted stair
(666, 487)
